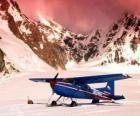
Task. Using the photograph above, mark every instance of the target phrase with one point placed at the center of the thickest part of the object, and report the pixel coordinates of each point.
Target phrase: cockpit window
(82, 86)
(86, 87)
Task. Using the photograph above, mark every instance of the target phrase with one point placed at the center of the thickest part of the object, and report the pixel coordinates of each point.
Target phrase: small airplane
(78, 87)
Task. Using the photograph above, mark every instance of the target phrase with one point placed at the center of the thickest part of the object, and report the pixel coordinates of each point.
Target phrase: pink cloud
(79, 15)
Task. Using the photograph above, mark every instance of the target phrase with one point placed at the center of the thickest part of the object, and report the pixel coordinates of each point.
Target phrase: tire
(73, 104)
(94, 101)
(30, 102)
(54, 103)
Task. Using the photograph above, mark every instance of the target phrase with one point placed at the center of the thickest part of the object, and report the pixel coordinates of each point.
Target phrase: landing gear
(73, 104)
(30, 101)
(54, 103)
(94, 101)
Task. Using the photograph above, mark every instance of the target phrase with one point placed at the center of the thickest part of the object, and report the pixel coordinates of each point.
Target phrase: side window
(86, 87)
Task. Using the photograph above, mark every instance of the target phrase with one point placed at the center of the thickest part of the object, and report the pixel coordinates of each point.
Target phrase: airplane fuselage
(78, 87)
(75, 91)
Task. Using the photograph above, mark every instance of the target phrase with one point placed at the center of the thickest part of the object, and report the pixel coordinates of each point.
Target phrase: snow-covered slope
(19, 54)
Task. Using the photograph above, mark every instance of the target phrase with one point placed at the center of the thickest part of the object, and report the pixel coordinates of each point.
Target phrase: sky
(79, 16)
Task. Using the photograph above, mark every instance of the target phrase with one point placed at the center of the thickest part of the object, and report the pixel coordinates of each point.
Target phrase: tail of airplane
(110, 87)
(109, 90)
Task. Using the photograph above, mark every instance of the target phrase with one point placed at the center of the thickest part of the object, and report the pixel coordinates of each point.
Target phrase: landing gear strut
(54, 103)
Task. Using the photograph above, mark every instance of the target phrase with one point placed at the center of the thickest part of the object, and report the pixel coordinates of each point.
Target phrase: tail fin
(110, 87)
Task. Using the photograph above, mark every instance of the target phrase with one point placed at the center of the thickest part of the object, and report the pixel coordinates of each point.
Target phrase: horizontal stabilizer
(118, 97)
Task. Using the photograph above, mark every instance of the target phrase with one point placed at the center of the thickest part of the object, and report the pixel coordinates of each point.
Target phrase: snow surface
(15, 91)
(23, 29)
(109, 68)
(56, 29)
(16, 15)
(43, 20)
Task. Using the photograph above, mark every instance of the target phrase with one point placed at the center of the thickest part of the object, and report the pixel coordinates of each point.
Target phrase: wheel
(94, 101)
(54, 103)
(73, 103)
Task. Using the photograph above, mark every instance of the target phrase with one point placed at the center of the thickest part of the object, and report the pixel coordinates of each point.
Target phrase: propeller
(54, 80)
(52, 84)
(55, 77)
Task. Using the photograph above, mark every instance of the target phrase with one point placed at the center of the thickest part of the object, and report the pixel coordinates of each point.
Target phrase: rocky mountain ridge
(123, 41)
(51, 42)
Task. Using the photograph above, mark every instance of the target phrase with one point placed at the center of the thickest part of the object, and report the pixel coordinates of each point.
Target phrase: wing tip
(33, 79)
(127, 76)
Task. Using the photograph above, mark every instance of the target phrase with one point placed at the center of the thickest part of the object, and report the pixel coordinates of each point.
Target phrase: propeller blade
(56, 76)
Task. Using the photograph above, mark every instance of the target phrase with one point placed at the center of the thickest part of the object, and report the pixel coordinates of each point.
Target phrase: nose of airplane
(52, 83)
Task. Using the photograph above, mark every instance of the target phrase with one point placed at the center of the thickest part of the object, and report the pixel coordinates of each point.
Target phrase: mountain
(16, 51)
(48, 40)
(5, 65)
(122, 42)
(29, 45)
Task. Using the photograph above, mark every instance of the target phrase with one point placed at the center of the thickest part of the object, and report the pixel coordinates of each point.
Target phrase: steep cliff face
(2, 62)
(83, 47)
(123, 41)
(6, 67)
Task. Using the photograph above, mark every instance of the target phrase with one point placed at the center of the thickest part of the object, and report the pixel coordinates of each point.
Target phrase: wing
(87, 79)
(100, 78)
(46, 80)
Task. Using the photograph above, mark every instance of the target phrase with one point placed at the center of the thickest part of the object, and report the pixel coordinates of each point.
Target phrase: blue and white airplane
(78, 87)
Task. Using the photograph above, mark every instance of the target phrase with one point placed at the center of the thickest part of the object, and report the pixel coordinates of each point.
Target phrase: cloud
(81, 16)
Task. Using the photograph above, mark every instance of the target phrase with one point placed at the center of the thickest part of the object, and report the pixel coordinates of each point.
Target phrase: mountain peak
(15, 4)
(4, 5)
